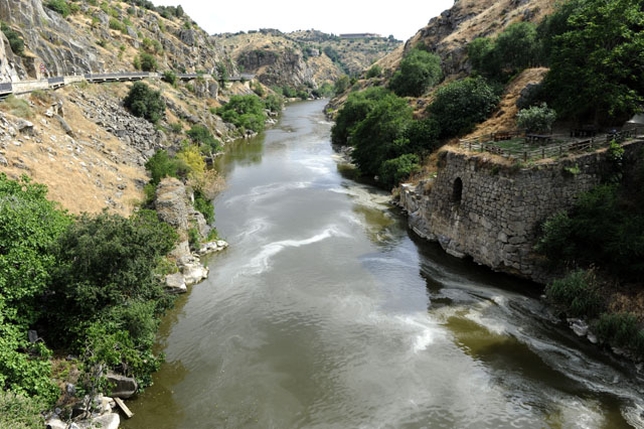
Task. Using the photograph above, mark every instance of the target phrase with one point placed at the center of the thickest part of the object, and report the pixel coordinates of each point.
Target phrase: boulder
(175, 283)
(123, 387)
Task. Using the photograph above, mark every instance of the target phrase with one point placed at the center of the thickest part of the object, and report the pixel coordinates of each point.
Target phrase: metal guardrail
(7, 88)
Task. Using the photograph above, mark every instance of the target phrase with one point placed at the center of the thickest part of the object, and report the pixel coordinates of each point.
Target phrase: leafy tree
(536, 118)
(244, 111)
(354, 110)
(418, 71)
(395, 170)
(29, 226)
(374, 137)
(596, 59)
(460, 105)
(517, 47)
(144, 102)
(170, 77)
(483, 58)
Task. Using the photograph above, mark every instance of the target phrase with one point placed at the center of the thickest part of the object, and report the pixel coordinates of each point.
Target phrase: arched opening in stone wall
(457, 191)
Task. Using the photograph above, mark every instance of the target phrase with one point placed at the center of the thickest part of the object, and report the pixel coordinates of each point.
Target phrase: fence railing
(545, 146)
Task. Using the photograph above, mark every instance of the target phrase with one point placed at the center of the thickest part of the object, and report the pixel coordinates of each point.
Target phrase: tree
(374, 137)
(244, 111)
(536, 118)
(418, 71)
(460, 105)
(596, 59)
(29, 227)
(148, 62)
(144, 102)
(354, 110)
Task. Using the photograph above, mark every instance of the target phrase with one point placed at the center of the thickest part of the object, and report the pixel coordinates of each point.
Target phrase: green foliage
(17, 107)
(144, 102)
(342, 84)
(245, 112)
(204, 206)
(516, 48)
(60, 6)
(418, 71)
(374, 71)
(161, 165)
(29, 226)
(274, 103)
(354, 110)
(536, 118)
(576, 294)
(604, 229)
(15, 41)
(202, 136)
(148, 62)
(117, 25)
(460, 105)
(394, 171)
(19, 411)
(374, 137)
(620, 330)
(170, 77)
(595, 58)
(105, 260)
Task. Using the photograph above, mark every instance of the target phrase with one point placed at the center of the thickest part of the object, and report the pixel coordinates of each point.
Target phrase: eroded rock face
(79, 44)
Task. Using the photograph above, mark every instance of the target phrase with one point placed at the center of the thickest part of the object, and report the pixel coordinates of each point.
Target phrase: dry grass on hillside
(83, 173)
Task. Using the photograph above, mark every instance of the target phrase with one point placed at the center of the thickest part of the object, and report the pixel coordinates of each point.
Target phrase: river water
(326, 312)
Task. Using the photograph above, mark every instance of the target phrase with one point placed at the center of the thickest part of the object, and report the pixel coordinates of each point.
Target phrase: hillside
(99, 164)
(303, 58)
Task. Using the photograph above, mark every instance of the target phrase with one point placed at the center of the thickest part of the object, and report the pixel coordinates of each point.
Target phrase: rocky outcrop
(173, 205)
(93, 41)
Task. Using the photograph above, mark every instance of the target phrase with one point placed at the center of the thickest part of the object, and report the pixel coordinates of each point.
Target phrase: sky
(401, 18)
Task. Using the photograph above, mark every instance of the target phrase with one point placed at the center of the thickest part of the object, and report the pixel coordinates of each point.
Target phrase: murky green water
(325, 312)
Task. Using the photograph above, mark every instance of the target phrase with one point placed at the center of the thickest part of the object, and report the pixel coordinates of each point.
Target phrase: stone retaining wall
(491, 212)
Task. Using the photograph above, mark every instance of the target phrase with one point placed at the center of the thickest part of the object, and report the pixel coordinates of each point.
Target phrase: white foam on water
(261, 262)
(261, 192)
(577, 414)
(634, 415)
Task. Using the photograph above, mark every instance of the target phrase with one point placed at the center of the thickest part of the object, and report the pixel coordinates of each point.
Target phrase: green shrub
(117, 25)
(204, 206)
(20, 411)
(536, 119)
(245, 112)
(418, 71)
(394, 171)
(15, 41)
(161, 165)
(202, 136)
(148, 62)
(144, 102)
(620, 330)
(170, 77)
(576, 294)
(60, 6)
(460, 105)
(374, 71)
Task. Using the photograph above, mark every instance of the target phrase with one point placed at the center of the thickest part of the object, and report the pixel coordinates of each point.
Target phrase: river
(327, 312)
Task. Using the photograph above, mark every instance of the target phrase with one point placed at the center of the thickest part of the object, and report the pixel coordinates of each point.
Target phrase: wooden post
(124, 408)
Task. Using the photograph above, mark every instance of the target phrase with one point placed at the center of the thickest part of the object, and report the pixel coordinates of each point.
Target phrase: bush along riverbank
(81, 298)
(601, 242)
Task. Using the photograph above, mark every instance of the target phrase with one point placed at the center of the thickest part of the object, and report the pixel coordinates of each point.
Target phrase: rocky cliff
(105, 38)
